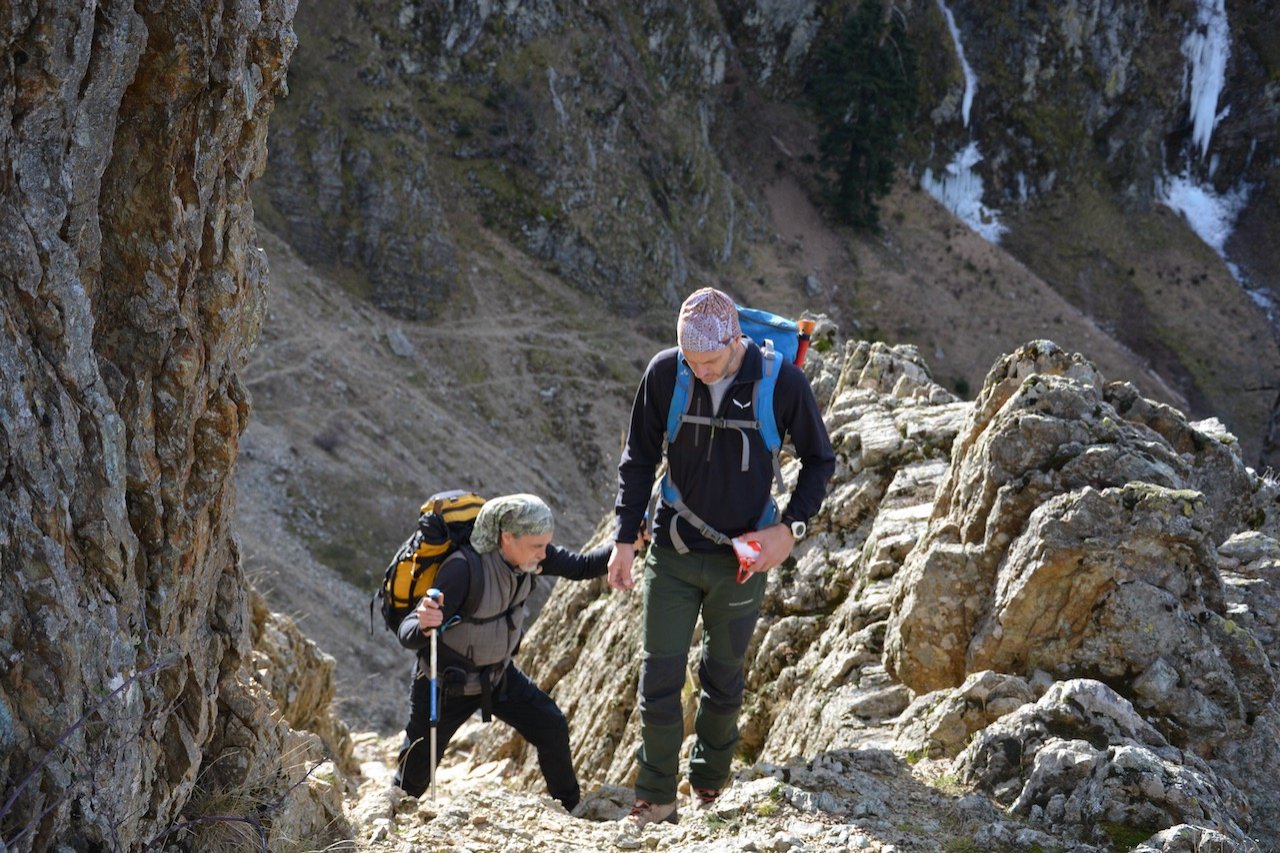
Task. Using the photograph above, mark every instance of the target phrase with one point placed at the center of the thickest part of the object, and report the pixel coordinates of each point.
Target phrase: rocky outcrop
(130, 291)
(1069, 537)
(1015, 551)
(1083, 760)
(940, 724)
(1060, 591)
(891, 427)
(1086, 547)
(300, 679)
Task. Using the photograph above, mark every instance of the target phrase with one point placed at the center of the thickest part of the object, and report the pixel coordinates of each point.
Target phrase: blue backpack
(778, 339)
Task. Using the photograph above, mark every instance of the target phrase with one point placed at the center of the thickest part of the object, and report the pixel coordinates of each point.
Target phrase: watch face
(798, 529)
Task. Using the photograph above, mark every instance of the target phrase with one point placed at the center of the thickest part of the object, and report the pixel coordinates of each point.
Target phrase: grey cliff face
(131, 289)
(583, 136)
(1107, 84)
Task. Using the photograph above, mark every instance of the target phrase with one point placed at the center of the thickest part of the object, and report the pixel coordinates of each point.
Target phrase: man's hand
(429, 613)
(624, 553)
(776, 543)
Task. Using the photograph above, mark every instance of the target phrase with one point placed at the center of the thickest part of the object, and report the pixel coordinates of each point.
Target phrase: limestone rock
(1082, 757)
(939, 724)
(1249, 563)
(1084, 600)
(130, 291)
(1186, 838)
(1043, 437)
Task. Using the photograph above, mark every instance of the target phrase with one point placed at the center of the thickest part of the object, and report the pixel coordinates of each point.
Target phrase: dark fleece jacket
(706, 462)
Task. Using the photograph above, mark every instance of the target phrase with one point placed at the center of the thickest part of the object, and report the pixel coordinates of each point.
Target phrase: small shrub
(328, 440)
(1125, 837)
(949, 783)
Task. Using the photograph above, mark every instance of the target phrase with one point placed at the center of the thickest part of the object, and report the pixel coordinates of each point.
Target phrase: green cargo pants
(679, 587)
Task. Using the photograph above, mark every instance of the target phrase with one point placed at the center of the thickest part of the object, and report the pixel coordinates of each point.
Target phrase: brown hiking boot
(705, 798)
(644, 813)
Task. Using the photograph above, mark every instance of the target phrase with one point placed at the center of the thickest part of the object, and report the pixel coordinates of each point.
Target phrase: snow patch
(1212, 217)
(959, 189)
(1207, 47)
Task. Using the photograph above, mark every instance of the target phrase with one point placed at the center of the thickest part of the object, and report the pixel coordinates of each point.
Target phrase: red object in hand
(747, 550)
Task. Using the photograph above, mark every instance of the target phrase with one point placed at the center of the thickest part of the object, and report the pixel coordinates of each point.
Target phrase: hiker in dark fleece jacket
(510, 545)
(721, 472)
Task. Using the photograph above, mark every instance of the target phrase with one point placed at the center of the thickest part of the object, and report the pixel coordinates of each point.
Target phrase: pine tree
(863, 89)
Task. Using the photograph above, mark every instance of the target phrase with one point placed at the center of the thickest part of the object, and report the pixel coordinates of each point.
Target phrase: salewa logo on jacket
(742, 405)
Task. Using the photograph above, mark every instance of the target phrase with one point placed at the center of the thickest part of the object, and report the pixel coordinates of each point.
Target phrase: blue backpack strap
(671, 497)
(679, 398)
(771, 368)
(677, 415)
(765, 421)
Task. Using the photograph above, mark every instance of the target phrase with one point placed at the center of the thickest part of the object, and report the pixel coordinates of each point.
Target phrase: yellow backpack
(444, 525)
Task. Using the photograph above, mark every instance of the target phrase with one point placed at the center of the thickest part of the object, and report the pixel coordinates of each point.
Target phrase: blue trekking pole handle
(434, 594)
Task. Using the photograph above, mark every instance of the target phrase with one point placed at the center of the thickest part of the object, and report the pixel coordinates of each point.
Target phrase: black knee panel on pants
(661, 680)
(722, 685)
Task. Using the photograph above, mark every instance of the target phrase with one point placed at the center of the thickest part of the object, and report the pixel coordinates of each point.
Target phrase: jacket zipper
(711, 431)
(711, 434)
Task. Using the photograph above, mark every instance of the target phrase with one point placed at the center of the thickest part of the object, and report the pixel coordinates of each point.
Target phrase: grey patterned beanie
(708, 321)
(519, 515)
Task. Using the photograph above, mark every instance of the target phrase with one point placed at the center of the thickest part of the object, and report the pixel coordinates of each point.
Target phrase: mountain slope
(634, 154)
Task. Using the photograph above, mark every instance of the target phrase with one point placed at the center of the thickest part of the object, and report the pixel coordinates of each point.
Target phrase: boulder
(940, 724)
(1082, 760)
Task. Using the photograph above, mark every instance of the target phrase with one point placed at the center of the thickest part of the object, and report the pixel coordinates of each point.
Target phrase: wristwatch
(798, 530)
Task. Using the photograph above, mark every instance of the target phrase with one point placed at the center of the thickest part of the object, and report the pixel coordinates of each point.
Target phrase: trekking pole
(434, 595)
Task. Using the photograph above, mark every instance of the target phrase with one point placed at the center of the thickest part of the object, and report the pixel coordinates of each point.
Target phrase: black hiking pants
(518, 702)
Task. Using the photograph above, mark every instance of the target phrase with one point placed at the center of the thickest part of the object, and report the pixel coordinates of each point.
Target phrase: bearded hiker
(720, 472)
